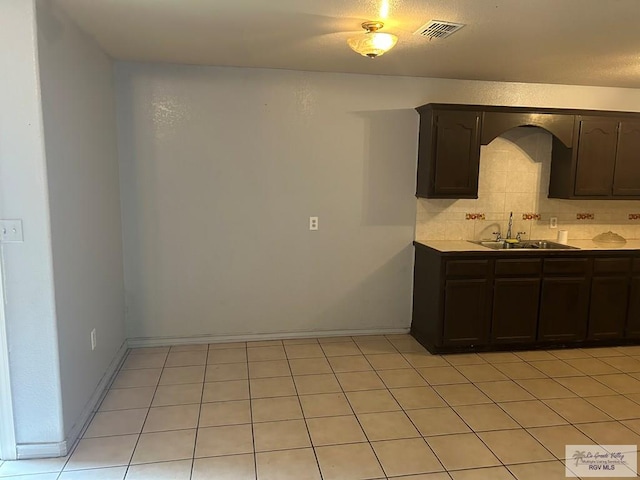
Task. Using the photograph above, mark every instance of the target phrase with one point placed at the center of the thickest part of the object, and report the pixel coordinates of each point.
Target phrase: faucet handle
(498, 236)
(519, 235)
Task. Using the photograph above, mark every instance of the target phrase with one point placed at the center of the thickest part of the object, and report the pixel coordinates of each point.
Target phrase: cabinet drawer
(611, 265)
(524, 266)
(566, 265)
(636, 265)
(467, 268)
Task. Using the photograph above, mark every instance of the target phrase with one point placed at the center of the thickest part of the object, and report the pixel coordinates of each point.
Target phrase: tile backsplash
(514, 177)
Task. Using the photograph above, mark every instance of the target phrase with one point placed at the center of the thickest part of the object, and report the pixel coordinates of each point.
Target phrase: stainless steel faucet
(510, 225)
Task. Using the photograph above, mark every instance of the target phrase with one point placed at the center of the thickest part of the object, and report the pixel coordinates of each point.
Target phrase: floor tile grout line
(462, 419)
(253, 435)
(195, 441)
(481, 440)
(90, 421)
(471, 430)
(392, 396)
(425, 438)
(609, 387)
(556, 381)
(532, 426)
(519, 427)
(506, 464)
(593, 439)
(537, 369)
(146, 433)
(147, 415)
(518, 381)
(637, 402)
(344, 393)
(574, 398)
(304, 419)
(432, 388)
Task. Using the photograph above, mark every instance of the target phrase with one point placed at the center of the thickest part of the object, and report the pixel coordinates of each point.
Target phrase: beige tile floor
(350, 408)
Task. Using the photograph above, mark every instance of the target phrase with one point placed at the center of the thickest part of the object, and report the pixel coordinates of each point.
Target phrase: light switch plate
(11, 231)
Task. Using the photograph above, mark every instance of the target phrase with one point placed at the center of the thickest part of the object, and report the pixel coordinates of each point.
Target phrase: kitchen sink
(523, 245)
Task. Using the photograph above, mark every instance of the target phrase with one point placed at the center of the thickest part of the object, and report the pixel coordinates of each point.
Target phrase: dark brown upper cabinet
(448, 153)
(451, 136)
(595, 155)
(605, 163)
(495, 124)
(626, 178)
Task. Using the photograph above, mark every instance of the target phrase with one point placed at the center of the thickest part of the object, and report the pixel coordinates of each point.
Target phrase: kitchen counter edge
(466, 247)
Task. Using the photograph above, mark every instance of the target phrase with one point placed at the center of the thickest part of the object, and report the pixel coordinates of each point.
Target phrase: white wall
(78, 104)
(221, 168)
(29, 288)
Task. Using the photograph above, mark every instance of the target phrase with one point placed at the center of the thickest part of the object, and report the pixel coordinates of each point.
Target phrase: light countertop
(591, 245)
(465, 246)
(454, 246)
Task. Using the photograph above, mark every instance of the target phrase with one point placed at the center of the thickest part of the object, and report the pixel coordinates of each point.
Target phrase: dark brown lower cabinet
(515, 310)
(609, 300)
(466, 321)
(476, 301)
(564, 303)
(633, 313)
(608, 307)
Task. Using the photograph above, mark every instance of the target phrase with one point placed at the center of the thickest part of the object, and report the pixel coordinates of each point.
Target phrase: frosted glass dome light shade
(372, 43)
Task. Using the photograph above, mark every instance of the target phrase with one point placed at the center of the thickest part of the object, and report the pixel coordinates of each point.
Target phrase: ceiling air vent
(438, 29)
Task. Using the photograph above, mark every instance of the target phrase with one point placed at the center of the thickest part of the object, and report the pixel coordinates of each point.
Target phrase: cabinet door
(564, 305)
(608, 307)
(466, 320)
(626, 180)
(633, 314)
(515, 310)
(456, 154)
(596, 156)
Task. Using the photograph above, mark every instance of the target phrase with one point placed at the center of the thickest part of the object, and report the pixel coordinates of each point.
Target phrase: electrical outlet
(93, 339)
(553, 222)
(313, 223)
(11, 231)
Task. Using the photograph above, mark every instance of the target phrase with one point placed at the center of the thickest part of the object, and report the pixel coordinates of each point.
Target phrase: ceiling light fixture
(372, 43)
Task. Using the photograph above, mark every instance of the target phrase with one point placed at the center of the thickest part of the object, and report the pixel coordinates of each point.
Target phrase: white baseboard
(60, 449)
(138, 342)
(26, 451)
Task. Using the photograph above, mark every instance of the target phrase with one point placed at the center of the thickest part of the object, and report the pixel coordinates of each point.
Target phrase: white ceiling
(581, 42)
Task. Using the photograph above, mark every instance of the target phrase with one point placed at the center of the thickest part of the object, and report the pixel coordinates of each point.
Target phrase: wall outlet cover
(11, 231)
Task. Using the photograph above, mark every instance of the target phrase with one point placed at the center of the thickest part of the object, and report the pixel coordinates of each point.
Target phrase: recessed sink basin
(523, 245)
(546, 245)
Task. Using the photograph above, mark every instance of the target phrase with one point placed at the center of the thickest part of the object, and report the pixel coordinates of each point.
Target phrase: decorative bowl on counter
(609, 238)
